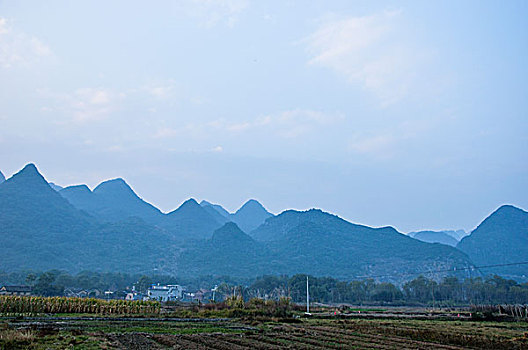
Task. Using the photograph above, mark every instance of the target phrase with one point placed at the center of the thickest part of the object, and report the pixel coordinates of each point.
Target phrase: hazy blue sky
(411, 114)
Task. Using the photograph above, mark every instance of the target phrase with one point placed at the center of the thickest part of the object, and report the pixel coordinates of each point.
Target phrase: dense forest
(449, 291)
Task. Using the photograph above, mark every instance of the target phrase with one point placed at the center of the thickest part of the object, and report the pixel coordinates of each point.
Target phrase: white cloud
(217, 149)
(93, 104)
(371, 51)
(286, 124)
(388, 142)
(166, 133)
(161, 91)
(95, 96)
(3, 26)
(20, 49)
(88, 104)
(378, 145)
(82, 105)
(39, 47)
(213, 12)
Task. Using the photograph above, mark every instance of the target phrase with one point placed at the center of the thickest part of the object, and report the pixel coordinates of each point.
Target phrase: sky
(412, 114)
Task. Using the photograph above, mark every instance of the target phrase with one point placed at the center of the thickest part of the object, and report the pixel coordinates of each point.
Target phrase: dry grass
(17, 335)
(54, 305)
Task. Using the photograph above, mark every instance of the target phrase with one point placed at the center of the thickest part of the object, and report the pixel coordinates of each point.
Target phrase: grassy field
(81, 332)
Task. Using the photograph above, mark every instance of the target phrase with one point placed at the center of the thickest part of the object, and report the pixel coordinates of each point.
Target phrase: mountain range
(114, 201)
(40, 229)
(111, 201)
(112, 229)
(444, 237)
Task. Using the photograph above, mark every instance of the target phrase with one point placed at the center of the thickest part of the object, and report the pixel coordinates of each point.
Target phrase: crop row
(35, 304)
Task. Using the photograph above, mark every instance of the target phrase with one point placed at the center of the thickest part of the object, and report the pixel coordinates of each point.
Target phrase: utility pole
(432, 288)
(214, 292)
(307, 297)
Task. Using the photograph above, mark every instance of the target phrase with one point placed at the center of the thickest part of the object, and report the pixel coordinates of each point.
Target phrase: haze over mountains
(112, 229)
(449, 237)
(112, 200)
(250, 215)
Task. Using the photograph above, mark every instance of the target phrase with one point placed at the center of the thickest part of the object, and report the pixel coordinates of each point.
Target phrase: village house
(15, 290)
(135, 296)
(165, 293)
(200, 295)
(82, 293)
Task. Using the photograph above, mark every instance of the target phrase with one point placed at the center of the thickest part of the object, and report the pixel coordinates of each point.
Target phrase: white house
(135, 296)
(165, 293)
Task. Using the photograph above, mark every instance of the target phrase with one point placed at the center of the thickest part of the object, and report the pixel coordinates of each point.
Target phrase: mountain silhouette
(55, 186)
(435, 237)
(230, 251)
(216, 211)
(111, 201)
(190, 221)
(36, 222)
(502, 238)
(320, 243)
(230, 234)
(218, 208)
(41, 230)
(250, 216)
(111, 228)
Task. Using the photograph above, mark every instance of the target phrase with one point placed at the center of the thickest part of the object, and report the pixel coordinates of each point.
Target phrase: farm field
(83, 332)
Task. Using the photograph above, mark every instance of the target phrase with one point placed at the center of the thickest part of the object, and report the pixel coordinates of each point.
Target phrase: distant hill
(456, 234)
(250, 216)
(41, 230)
(316, 243)
(216, 211)
(230, 234)
(229, 251)
(27, 193)
(36, 222)
(112, 229)
(2, 177)
(218, 208)
(435, 237)
(319, 243)
(55, 186)
(190, 221)
(111, 201)
(501, 238)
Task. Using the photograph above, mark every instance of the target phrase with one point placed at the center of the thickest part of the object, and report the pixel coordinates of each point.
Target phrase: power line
(455, 269)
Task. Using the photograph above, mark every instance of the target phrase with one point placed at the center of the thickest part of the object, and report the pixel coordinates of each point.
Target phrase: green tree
(143, 284)
(45, 285)
(386, 292)
(31, 278)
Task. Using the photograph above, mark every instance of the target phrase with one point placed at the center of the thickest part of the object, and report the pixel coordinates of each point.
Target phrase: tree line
(449, 291)
(56, 282)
